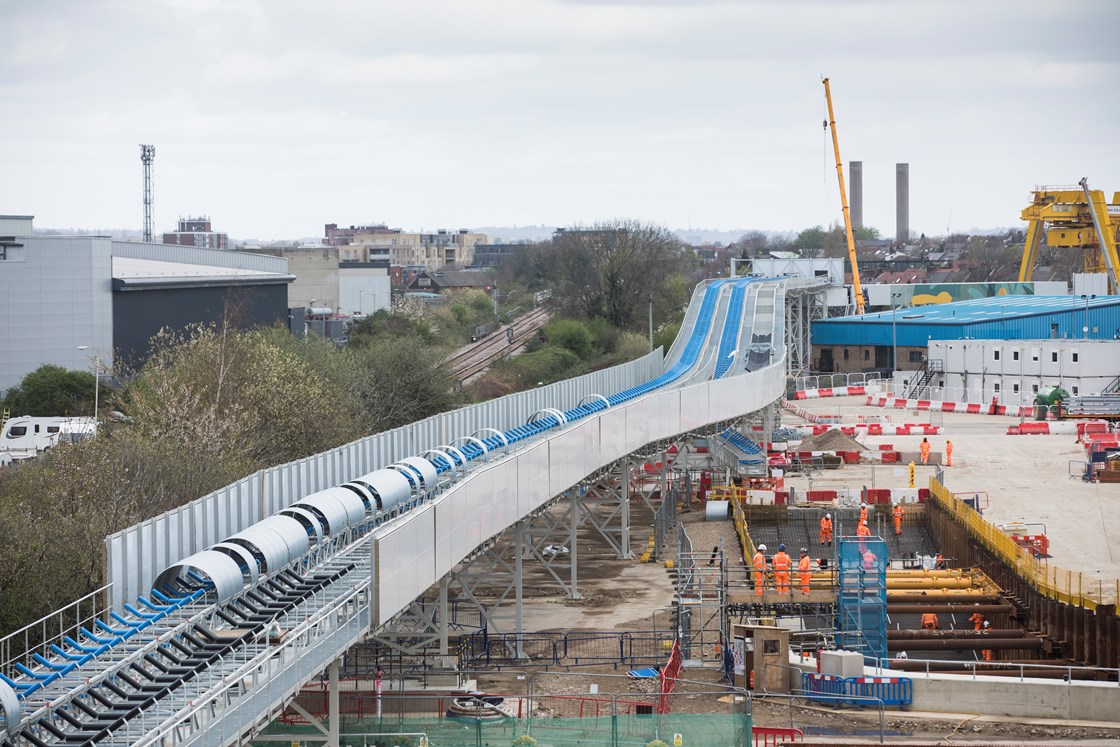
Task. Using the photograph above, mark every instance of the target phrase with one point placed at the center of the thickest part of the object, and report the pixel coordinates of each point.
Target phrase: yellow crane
(857, 289)
(1074, 218)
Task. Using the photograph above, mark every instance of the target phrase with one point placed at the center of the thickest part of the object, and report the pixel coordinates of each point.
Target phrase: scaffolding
(862, 596)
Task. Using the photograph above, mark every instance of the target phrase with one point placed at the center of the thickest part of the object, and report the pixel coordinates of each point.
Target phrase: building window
(997, 387)
(995, 354)
(1015, 388)
(1075, 356)
(1074, 390)
(1014, 355)
(1054, 356)
(916, 356)
(1034, 388)
(867, 355)
(1034, 356)
(845, 354)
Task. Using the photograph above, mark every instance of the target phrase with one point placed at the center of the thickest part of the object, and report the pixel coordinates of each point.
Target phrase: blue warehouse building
(860, 343)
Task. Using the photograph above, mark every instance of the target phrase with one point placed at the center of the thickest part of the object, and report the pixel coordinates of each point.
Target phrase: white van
(25, 436)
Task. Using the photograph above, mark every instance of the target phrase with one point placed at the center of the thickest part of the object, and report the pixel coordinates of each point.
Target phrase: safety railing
(1070, 587)
(39, 635)
(566, 650)
(834, 380)
(1069, 672)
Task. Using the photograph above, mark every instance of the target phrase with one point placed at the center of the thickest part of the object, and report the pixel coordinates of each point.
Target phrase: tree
(401, 382)
(810, 242)
(611, 269)
(52, 391)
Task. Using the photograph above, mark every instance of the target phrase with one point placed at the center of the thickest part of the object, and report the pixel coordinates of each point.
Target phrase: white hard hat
(828, 516)
(762, 547)
(987, 624)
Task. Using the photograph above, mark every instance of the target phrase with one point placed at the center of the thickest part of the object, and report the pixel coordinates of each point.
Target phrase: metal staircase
(922, 380)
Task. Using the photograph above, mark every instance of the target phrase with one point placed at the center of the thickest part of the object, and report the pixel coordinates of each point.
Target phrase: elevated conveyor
(226, 641)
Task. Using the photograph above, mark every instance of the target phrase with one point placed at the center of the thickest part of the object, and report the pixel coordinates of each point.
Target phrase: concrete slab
(1026, 479)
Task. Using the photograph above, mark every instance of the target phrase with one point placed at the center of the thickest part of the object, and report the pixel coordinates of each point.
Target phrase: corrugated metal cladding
(1000, 318)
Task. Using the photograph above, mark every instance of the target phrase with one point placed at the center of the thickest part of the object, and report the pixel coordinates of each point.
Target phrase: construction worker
(948, 453)
(977, 621)
(804, 574)
(759, 563)
(897, 513)
(782, 563)
(986, 653)
(862, 513)
(924, 447)
(826, 529)
(930, 621)
(870, 559)
(863, 530)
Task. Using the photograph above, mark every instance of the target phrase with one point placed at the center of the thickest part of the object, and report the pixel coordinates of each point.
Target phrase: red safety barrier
(880, 495)
(923, 404)
(891, 456)
(821, 495)
(923, 495)
(902, 430)
(886, 447)
(781, 497)
(1037, 545)
(849, 457)
(853, 390)
(772, 736)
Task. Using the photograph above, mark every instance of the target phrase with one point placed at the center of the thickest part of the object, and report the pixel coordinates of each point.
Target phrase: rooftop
(982, 310)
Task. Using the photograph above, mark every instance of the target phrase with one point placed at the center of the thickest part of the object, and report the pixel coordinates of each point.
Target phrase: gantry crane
(857, 290)
(1074, 218)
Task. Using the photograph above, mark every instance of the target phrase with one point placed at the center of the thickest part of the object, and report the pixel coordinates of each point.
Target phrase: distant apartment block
(197, 232)
(494, 255)
(443, 249)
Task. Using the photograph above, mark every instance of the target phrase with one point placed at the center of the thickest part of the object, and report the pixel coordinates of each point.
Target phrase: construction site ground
(1026, 479)
(621, 595)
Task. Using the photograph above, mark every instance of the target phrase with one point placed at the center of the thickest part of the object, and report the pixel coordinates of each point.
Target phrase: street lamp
(651, 322)
(1086, 299)
(96, 378)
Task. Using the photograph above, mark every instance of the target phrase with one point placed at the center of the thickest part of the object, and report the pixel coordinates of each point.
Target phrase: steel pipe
(902, 598)
(955, 634)
(948, 609)
(959, 644)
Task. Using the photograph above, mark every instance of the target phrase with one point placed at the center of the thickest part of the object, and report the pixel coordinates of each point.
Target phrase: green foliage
(810, 241)
(405, 322)
(665, 336)
(606, 336)
(549, 364)
(52, 391)
(866, 233)
(401, 383)
(571, 335)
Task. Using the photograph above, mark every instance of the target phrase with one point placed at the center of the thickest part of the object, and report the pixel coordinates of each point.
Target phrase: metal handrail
(1069, 669)
(7, 643)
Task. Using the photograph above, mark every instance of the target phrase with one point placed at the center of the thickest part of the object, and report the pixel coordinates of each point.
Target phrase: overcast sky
(274, 116)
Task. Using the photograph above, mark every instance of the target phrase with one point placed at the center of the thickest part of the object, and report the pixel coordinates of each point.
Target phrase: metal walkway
(203, 661)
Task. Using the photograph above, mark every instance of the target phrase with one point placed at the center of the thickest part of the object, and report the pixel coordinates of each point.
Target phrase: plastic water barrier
(857, 691)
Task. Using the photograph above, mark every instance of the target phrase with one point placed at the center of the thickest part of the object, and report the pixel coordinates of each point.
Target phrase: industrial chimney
(855, 179)
(902, 202)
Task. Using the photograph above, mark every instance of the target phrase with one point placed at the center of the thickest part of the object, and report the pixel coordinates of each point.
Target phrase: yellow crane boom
(857, 289)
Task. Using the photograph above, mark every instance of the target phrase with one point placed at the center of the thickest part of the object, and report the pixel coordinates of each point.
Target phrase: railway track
(475, 358)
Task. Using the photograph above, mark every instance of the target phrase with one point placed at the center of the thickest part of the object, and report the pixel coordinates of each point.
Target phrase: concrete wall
(316, 271)
(55, 294)
(364, 289)
(1005, 696)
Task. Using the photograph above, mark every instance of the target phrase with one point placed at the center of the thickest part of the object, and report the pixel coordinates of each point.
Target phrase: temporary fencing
(1070, 587)
(565, 650)
(563, 720)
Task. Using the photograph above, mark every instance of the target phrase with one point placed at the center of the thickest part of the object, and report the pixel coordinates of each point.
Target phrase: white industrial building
(72, 301)
(1014, 371)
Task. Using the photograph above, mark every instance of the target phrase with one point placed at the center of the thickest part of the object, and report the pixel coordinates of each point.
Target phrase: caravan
(25, 437)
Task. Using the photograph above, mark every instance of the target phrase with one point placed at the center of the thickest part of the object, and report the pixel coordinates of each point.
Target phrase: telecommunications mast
(147, 155)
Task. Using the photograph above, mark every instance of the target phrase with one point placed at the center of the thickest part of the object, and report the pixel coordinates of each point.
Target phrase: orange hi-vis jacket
(781, 562)
(863, 531)
(759, 562)
(826, 526)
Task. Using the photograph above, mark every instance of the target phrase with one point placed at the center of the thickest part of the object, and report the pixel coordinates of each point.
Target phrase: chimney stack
(855, 178)
(902, 202)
